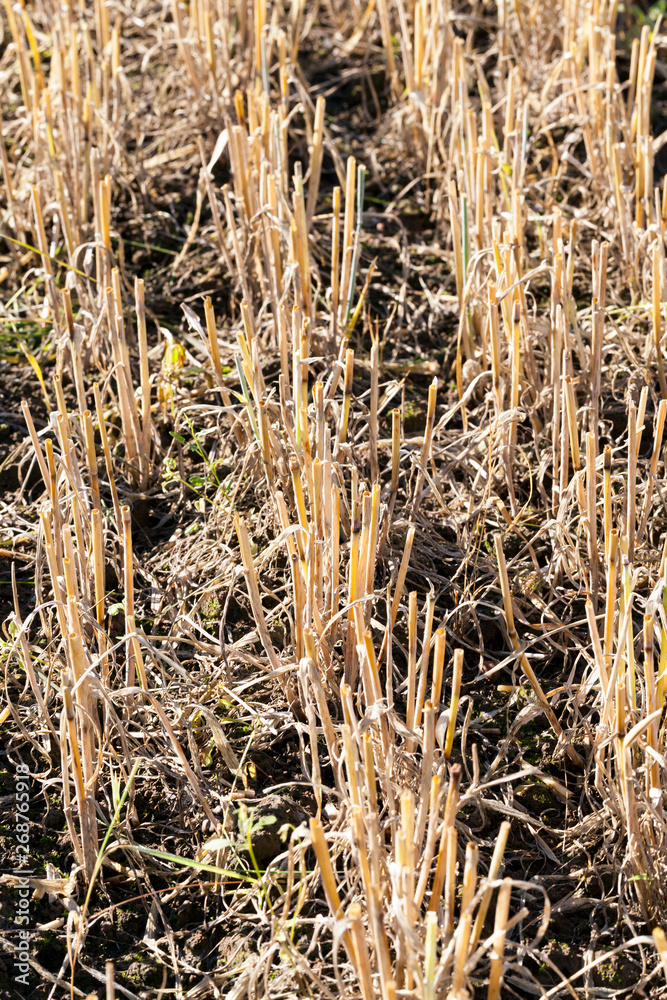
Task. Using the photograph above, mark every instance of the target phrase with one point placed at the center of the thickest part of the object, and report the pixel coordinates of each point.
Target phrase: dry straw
(523, 430)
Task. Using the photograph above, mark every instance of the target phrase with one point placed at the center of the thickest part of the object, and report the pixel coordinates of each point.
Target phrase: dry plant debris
(334, 547)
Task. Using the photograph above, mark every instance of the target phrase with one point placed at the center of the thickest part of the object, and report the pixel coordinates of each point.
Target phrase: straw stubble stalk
(302, 252)
(412, 667)
(316, 159)
(348, 230)
(84, 702)
(661, 946)
(341, 433)
(454, 704)
(71, 770)
(335, 260)
(462, 939)
(438, 667)
(494, 869)
(499, 932)
(110, 980)
(99, 587)
(631, 479)
(431, 838)
(573, 431)
(449, 894)
(134, 655)
(91, 456)
(591, 514)
(146, 420)
(511, 435)
(658, 259)
(606, 500)
(212, 334)
(659, 427)
(444, 852)
(652, 770)
(424, 657)
(430, 954)
(426, 446)
(360, 949)
(85, 803)
(428, 748)
(610, 607)
(626, 601)
(326, 869)
(54, 561)
(373, 415)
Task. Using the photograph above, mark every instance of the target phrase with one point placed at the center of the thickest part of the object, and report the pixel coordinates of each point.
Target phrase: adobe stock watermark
(23, 871)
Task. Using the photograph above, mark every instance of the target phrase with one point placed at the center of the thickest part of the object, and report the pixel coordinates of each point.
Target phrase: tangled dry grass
(335, 633)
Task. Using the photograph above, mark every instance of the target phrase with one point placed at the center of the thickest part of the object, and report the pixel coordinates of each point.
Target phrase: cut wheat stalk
(454, 703)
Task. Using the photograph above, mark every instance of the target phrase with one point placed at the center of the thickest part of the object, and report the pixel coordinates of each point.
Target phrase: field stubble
(332, 396)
